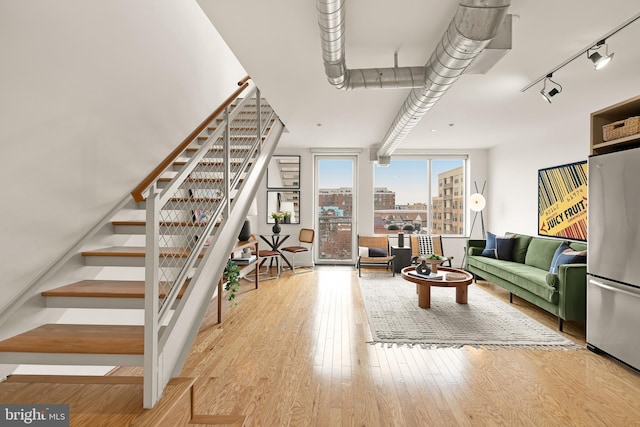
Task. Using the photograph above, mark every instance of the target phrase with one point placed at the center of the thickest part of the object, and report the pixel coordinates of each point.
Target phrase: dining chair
(268, 257)
(305, 239)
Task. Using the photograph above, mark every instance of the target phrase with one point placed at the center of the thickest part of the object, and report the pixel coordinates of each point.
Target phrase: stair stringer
(179, 335)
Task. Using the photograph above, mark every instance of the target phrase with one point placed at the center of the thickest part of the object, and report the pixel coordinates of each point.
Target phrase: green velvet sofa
(563, 294)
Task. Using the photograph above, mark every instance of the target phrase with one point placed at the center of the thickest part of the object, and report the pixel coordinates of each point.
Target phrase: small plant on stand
(287, 217)
(232, 279)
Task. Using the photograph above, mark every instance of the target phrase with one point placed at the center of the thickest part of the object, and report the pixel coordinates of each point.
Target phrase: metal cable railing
(194, 203)
(189, 203)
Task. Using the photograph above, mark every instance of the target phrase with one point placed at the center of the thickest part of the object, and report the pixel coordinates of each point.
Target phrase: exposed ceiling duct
(331, 22)
(474, 25)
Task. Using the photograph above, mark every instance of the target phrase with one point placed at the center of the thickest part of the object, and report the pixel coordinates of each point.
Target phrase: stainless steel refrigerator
(613, 261)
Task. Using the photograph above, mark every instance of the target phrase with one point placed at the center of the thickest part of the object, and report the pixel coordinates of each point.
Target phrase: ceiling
(278, 43)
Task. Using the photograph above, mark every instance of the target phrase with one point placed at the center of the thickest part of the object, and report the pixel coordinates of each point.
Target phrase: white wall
(94, 95)
(513, 175)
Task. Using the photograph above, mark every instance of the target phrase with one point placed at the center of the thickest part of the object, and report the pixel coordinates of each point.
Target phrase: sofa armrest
(572, 290)
(475, 247)
(474, 251)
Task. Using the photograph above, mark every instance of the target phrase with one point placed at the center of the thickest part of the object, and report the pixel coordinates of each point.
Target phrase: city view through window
(401, 201)
(335, 209)
(402, 195)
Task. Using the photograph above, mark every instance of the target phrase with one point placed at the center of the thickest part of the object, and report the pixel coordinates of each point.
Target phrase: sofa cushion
(520, 246)
(490, 246)
(540, 253)
(504, 247)
(577, 246)
(527, 277)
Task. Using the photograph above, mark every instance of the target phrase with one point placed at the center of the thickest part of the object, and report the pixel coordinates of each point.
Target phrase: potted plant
(287, 217)
(232, 278)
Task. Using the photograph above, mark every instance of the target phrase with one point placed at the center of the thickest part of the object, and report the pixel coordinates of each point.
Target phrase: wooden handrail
(153, 176)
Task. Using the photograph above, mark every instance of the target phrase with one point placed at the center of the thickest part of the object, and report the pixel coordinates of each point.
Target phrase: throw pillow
(377, 252)
(425, 245)
(363, 251)
(569, 256)
(554, 261)
(490, 246)
(504, 247)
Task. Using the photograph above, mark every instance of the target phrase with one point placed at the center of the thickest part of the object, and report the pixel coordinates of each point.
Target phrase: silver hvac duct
(474, 25)
(331, 22)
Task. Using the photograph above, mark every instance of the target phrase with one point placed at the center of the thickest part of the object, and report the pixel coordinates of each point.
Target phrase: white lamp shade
(477, 202)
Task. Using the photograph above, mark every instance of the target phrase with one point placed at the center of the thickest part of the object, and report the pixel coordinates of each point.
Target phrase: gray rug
(394, 317)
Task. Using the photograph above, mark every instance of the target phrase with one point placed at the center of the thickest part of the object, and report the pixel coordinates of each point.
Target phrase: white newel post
(151, 298)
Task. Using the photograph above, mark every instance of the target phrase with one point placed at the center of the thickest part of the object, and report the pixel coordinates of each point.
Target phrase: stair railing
(138, 193)
(183, 222)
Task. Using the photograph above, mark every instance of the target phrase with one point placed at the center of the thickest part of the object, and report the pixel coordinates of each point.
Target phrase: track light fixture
(553, 92)
(598, 60)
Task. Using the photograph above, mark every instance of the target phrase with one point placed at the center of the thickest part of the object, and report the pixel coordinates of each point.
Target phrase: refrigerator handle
(611, 288)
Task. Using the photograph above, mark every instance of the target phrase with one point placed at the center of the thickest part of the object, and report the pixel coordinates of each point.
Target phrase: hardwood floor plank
(294, 352)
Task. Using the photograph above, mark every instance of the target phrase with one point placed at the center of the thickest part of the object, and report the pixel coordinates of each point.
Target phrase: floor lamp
(477, 203)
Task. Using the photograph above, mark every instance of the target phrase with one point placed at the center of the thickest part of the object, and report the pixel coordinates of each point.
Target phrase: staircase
(178, 230)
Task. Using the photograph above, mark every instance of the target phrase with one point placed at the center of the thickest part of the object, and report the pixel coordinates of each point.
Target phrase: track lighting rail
(597, 43)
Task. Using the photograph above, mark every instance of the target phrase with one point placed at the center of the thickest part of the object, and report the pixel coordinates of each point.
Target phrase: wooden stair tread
(78, 339)
(74, 379)
(138, 252)
(106, 289)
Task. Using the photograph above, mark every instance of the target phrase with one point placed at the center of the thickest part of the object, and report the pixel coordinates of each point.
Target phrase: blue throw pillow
(504, 247)
(490, 247)
(554, 261)
(569, 256)
(565, 255)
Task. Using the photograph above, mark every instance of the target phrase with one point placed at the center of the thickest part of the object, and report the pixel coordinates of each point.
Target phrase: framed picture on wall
(284, 172)
(284, 201)
(562, 201)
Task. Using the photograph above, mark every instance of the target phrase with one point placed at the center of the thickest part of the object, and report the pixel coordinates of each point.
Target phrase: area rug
(395, 318)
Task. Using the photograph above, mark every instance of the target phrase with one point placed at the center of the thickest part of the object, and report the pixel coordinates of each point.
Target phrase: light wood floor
(294, 353)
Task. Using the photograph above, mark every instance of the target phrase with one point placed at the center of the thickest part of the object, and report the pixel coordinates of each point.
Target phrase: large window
(335, 201)
(415, 195)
